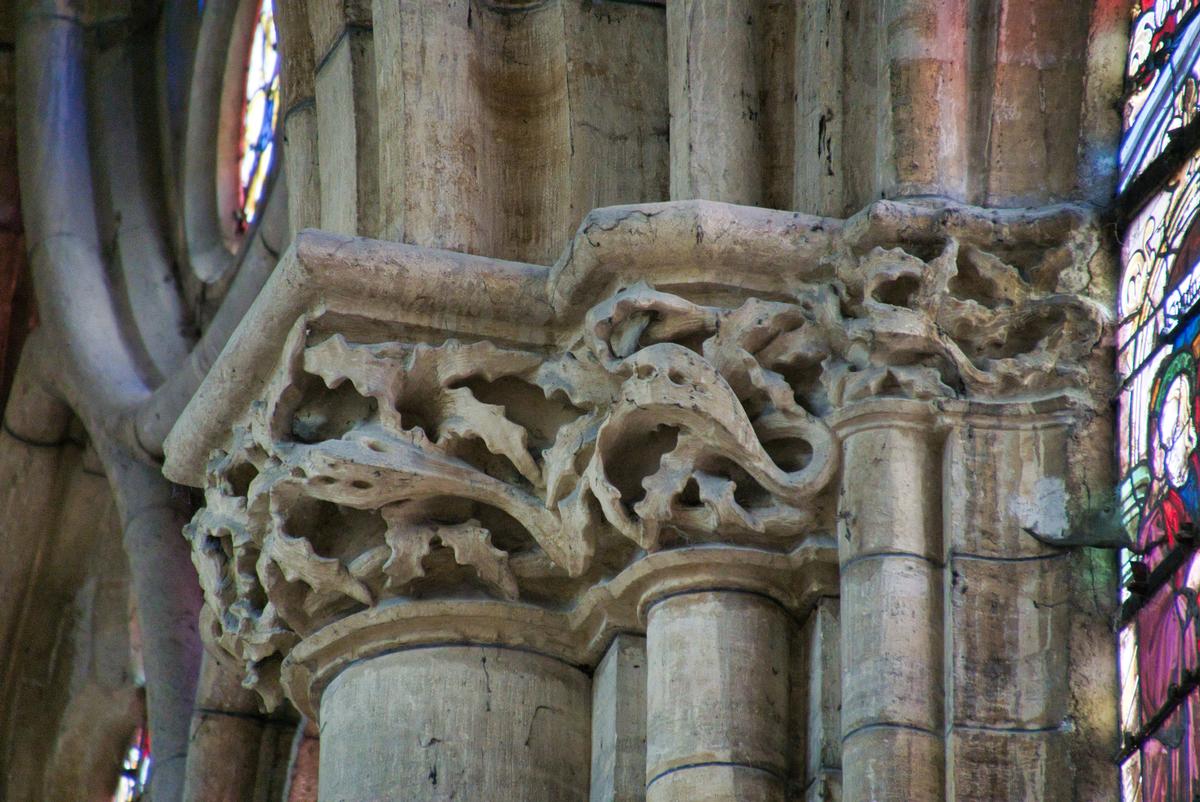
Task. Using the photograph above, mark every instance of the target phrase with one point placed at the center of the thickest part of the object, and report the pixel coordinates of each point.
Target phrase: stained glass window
(260, 113)
(135, 769)
(1162, 74)
(1158, 359)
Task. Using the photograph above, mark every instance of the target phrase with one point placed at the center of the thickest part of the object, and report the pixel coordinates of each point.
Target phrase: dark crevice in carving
(325, 414)
(635, 456)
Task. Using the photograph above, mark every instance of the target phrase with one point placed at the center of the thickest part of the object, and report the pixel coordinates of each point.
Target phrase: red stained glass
(1169, 769)
(1167, 629)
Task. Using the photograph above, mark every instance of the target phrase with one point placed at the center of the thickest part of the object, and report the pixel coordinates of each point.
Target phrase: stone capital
(406, 446)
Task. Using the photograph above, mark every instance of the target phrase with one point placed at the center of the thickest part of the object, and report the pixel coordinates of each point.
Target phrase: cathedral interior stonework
(600, 400)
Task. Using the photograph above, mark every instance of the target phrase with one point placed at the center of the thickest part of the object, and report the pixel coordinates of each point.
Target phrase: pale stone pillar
(347, 117)
(1008, 622)
(482, 164)
(816, 711)
(473, 721)
(715, 152)
(717, 698)
(619, 723)
(888, 549)
(298, 116)
(731, 97)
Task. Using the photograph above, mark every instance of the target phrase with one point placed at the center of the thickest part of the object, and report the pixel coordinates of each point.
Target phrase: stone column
(889, 548)
(1008, 611)
(481, 722)
(731, 97)
(717, 698)
(347, 117)
(453, 482)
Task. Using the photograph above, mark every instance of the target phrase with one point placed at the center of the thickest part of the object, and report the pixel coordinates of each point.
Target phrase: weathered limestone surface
(618, 772)
(725, 725)
(665, 433)
(816, 723)
(436, 723)
(347, 123)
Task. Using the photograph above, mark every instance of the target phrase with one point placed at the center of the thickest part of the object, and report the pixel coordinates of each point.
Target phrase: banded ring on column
(717, 693)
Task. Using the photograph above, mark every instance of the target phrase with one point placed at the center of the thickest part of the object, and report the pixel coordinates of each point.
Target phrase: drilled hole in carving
(1022, 338)
(791, 454)
(416, 414)
(900, 291)
(507, 532)
(443, 576)
(748, 492)
(693, 341)
(754, 402)
(627, 334)
(636, 455)
(240, 476)
(890, 386)
(804, 377)
(1024, 256)
(254, 596)
(690, 497)
(324, 480)
(376, 446)
(225, 542)
(359, 484)
(329, 414)
(925, 250)
(219, 546)
(527, 406)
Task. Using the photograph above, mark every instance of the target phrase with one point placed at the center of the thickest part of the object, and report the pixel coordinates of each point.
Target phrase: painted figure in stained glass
(1160, 651)
(1161, 70)
(1159, 285)
(1155, 28)
(1173, 491)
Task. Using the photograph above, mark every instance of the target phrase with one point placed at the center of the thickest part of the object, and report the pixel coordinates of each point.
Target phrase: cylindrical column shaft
(716, 114)
(456, 722)
(717, 692)
(891, 618)
(1008, 634)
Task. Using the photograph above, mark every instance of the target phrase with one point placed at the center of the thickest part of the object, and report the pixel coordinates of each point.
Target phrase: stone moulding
(398, 434)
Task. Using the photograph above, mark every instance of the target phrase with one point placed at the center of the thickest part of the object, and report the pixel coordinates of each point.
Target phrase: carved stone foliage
(452, 467)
